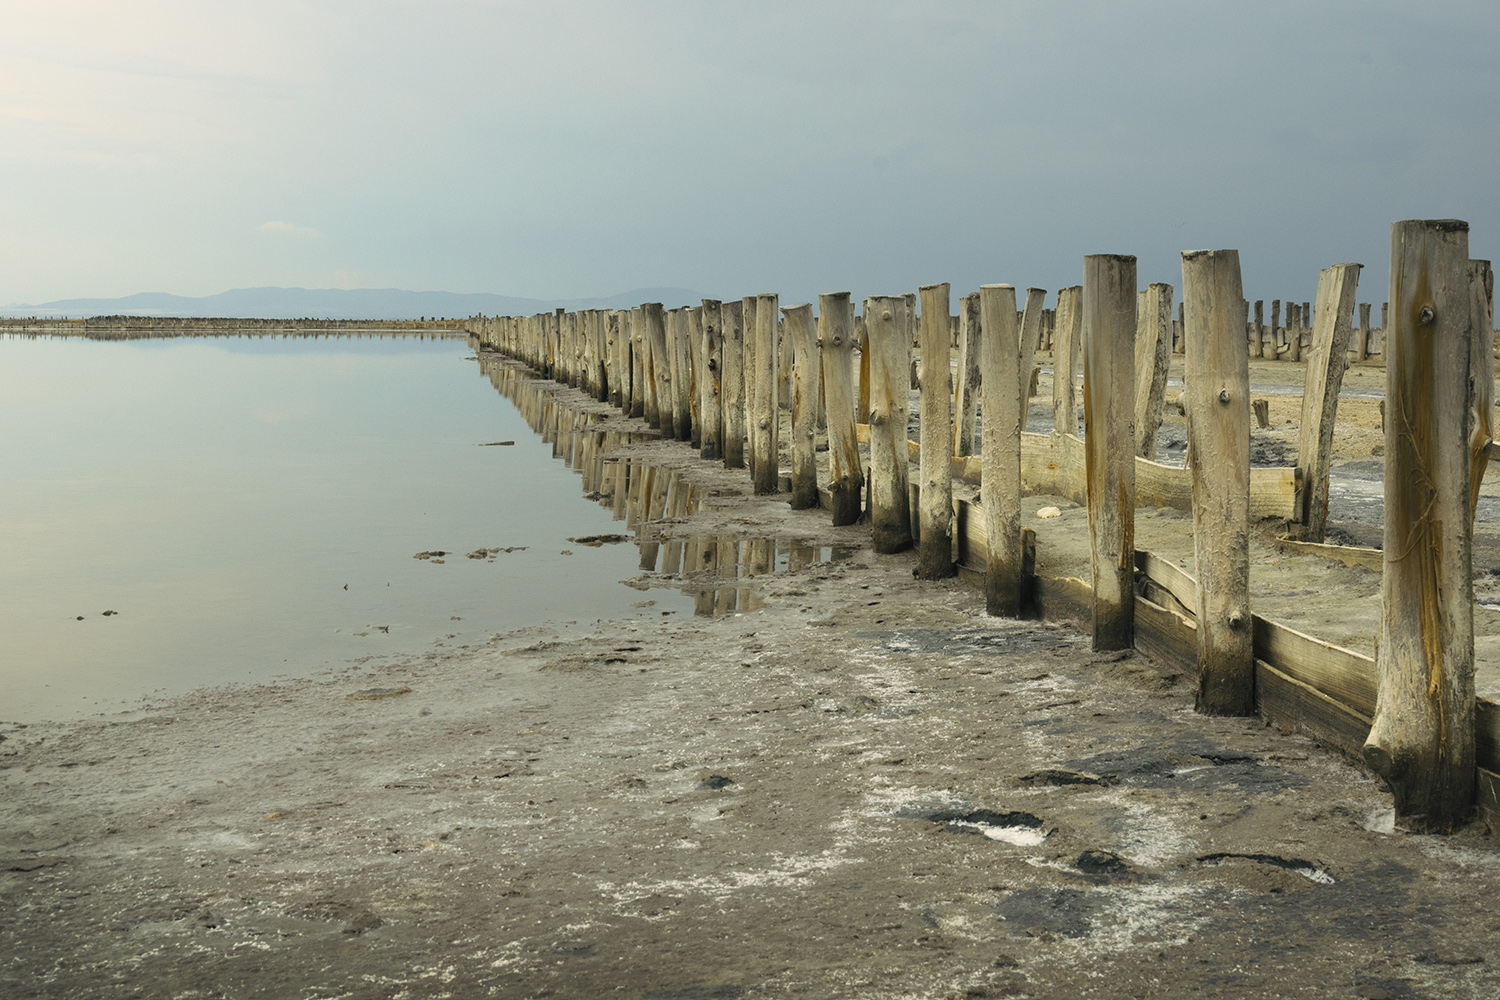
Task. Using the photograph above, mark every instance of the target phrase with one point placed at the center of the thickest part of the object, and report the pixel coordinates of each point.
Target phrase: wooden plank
(1217, 401)
(1287, 701)
(1108, 413)
(1489, 800)
(1320, 397)
(1068, 598)
(1172, 578)
(1487, 734)
(1342, 674)
(1165, 636)
(1422, 740)
(1349, 555)
(935, 545)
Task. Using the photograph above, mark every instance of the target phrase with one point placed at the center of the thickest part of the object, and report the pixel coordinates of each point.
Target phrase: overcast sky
(554, 149)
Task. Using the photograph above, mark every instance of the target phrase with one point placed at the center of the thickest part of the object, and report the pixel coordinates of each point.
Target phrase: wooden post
(711, 380)
(1482, 376)
(1366, 342)
(802, 340)
(1109, 446)
(846, 477)
(680, 353)
(1031, 325)
(1422, 740)
(659, 405)
(1268, 339)
(1153, 344)
(751, 369)
(766, 413)
(614, 342)
(1004, 415)
(693, 317)
(638, 374)
(966, 386)
(862, 403)
(1326, 361)
(935, 500)
(1216, 394)
(1065, 360)
(888, 344)
(732, 349)
(1256, 331)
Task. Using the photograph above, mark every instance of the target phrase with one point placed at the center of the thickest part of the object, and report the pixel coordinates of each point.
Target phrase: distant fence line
(144, 327)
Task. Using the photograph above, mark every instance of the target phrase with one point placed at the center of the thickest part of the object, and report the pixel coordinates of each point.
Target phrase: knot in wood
(837, 341)
(1223, 395)
(886, 314)
(1426, 316)
(1236, 621)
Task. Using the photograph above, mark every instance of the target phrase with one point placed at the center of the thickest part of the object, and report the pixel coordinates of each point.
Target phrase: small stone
(1047, 512)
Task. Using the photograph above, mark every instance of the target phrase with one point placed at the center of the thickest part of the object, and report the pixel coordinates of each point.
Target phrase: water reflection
(653, 500)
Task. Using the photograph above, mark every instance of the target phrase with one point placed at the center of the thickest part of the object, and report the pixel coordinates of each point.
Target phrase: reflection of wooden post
(1217, 386)
(935, 544)
(1000, 482)
(1326, 361)
(1422, 740)
(659, 403)
(1109, 448)
(710, 380)
(966, 386)
(766, 413)
(732, 350)
(836, 338)
(888, 343)
(802, 341)
(1482, 375)
(1153, 343)
(1065, 360)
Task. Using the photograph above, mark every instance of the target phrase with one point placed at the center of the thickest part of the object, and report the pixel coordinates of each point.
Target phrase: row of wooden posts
(712, 375)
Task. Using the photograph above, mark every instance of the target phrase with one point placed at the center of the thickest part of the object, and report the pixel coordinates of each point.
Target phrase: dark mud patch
(1188, 762)
(1046, 912)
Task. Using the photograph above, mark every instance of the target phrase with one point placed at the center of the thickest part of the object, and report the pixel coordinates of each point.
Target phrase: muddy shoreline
(864, 787)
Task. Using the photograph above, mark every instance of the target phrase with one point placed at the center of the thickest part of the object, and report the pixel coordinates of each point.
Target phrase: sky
(564, 149)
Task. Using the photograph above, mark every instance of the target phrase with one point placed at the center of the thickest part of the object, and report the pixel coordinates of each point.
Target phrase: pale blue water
(220, 494)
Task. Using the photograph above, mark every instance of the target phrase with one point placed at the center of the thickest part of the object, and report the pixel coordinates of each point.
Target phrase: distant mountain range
(340, 303)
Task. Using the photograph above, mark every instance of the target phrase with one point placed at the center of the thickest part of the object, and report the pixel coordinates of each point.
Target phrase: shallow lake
(251, 507)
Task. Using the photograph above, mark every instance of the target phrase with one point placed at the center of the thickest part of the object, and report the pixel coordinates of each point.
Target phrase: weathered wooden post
(966, 386)
(1422, 740)
(862, 340)
(1482, 376)
(767, 417)
(679, 348)
(693, 316)
(732, 348)
(1031, 325)
(846, 477)
(1065, 360)
(1255, 332)
(888, 343)
(614, 343)
(1216, 393)
(1153, 356)
(1109, 445)
(1326, 361)
(802, 339)
(711, 380)
(1367, 342)
(639, 373)
(1268, 339)
(935, 500)
(751, 369)
(1004, 414)
(659, 374)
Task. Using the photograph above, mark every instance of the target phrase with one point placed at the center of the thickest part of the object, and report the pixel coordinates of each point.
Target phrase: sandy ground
(865, 788)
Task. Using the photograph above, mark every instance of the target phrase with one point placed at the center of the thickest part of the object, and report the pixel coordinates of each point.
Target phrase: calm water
(251, 508)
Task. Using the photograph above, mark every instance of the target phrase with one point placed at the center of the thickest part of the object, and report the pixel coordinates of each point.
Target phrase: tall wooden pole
(693, 336)
(888, 343)
(966, 386)
(1482, 380)
(846, 478)
(1000, 483)
(802, 339)
(1422, 740)
(732, 349)
(681, 360)
(1153, 355)
(1326, 360)
(935, 501)
(711, 380)
(1031, 328)
(767, 414)
(1109, 446)
(1217, 397)
(638, 371)
(1065, 360)
(659, 404)
(751, 369)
